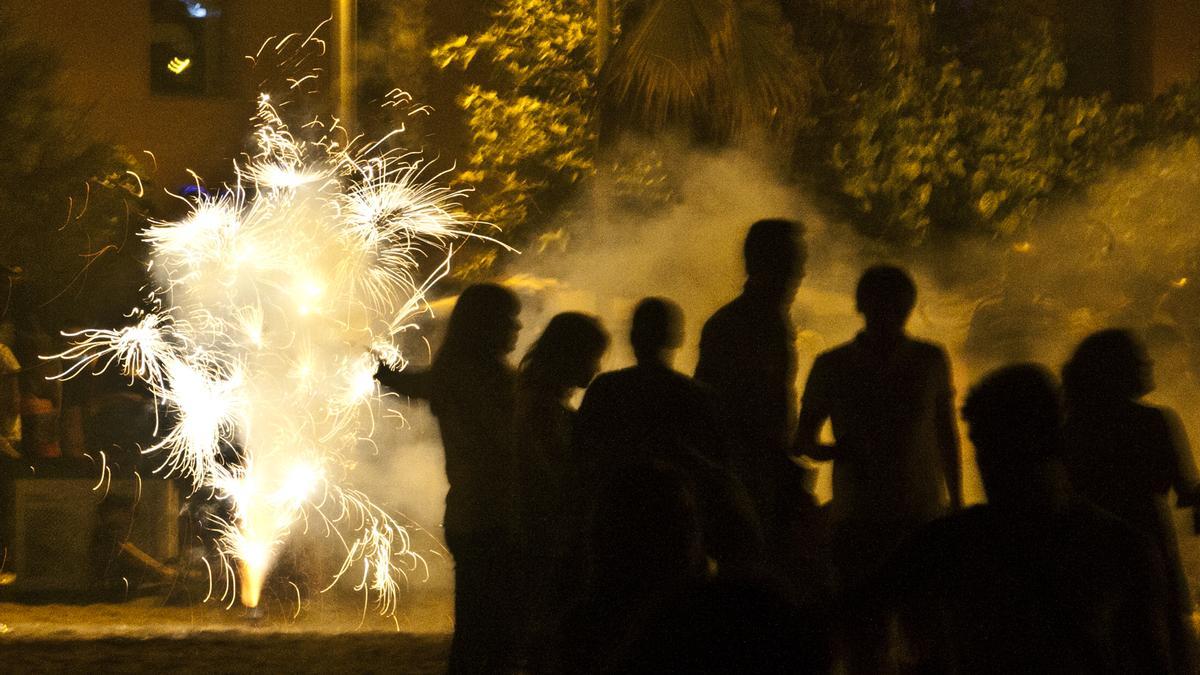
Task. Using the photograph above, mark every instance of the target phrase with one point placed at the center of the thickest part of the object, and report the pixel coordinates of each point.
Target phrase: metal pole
(603, 31)
(345, 18)
(600, 186)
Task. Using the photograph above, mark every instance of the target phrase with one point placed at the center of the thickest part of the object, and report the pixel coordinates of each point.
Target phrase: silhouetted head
(885, 296)
(1014, 419)
(568, 352)
(775, 254)
(657, 329)
(483, 324)
(1109, 365)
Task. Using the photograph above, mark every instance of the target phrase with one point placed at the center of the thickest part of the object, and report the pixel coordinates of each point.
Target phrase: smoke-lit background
(1117, 256)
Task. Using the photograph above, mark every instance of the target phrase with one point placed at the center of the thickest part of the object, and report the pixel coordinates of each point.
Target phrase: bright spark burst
(275, 299)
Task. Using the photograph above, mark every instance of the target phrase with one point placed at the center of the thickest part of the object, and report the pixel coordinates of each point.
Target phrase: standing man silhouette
(896, 456)
(748, 358)
(651, 412)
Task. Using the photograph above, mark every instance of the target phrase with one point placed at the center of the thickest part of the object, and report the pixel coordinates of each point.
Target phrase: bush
(939, 148)
(978, 135)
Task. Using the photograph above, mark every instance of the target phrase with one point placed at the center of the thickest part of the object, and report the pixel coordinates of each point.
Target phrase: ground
(329, 635)
(143, 636)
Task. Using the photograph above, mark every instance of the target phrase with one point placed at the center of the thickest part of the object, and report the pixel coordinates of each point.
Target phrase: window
(185, 47)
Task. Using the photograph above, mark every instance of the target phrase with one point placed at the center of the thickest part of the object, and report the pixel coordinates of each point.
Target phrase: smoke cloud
(1124, 254)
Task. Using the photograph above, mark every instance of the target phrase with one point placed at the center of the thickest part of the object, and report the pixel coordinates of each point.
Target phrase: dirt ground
(330, 634)
(143, 636)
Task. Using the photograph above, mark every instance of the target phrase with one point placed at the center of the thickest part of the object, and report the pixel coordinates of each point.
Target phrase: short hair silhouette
(569, 338)
(775, 248)
(1015, 415)
(481, 320)
(885, 290)
(1111, 364)
(657, 325)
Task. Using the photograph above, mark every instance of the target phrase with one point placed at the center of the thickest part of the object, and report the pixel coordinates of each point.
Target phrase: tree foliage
(977, 140)
(957, 124)
(528, 109)
(718, 67)
(66, 200)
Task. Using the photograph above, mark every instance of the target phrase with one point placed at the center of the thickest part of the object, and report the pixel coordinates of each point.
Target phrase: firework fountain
(274, 303)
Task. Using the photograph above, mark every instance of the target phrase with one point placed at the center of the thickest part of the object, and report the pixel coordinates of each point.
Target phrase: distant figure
(470, 388)
(1125, 456)
(564, 358)
(748, 357)
(41, 396)
(651, 411)
(1037, 580)
(890, 401)
(10, 395)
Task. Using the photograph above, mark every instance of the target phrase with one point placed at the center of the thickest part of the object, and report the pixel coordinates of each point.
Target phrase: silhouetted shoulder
(834, 360)
(929, 350)
(719, 327)
(729, 312)
(1159, 416)
(617, 378)
(606, 382)
(947, 545)
(835, 355)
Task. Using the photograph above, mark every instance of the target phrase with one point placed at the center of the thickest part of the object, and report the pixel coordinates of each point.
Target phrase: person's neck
(661, 359)
(769, 291)
(884, 340)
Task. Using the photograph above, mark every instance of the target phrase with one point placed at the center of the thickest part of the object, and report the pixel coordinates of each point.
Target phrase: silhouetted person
(890, 402)
(748, 357)
(651, 411)
(651, 607)
(470, 388)
(10, 395)
(627, 412)
(1037, 580)
(644, 546)
(564, 358)
(1125, 456)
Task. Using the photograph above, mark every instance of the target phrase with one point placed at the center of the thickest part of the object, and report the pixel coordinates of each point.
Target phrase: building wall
(1133, 49)
(1175, 51)
(104, 50)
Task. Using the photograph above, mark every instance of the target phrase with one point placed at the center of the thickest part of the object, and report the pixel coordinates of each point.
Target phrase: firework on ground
(273, 304)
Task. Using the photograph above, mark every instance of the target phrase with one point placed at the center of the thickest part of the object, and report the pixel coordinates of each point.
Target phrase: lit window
(185, 47)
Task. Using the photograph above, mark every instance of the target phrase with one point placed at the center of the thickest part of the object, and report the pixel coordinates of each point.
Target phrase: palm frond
(728, 64)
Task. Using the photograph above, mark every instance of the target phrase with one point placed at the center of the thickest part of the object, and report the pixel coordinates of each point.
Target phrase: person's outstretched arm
(947, 434)
(815, 407)
(408, 382)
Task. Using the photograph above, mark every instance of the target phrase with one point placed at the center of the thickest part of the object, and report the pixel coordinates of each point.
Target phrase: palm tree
(724, 66)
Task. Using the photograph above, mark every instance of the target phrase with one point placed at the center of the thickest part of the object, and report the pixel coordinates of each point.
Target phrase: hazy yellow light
(178, 65)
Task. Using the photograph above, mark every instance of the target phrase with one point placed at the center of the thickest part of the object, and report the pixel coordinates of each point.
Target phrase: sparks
(274, 301)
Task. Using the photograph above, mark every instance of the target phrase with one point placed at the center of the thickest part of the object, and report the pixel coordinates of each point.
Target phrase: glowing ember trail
(274, 301)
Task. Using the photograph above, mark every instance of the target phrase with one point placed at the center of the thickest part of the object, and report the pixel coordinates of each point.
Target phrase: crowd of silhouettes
(669, 525)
